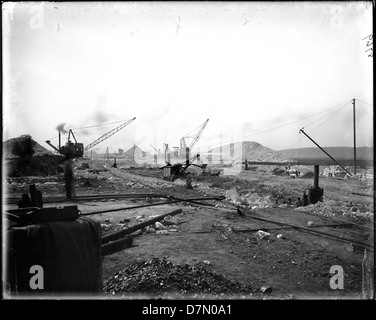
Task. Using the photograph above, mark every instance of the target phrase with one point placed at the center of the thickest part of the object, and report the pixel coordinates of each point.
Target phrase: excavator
(76, 149)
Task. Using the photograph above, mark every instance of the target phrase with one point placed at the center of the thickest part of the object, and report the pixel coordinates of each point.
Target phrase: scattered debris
(232, 195)
(266, 289)
(159, 275)
(159, 226)
(161, 232)
(169, 221)
(262, 235)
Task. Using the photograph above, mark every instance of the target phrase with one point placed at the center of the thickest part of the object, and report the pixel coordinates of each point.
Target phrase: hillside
(8, 145)
(250, 150)
(339, 153)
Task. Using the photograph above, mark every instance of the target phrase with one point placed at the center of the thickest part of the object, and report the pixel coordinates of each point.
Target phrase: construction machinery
(70, 150)
(76, 149)
(174, 171)
(108, 134)
(196, 137)
(185, 149)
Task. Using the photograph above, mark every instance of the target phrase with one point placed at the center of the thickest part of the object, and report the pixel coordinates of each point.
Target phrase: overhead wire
(93, 126)
(365, 111)
(327, 116)
(99, 125)
(331, 116)
(364, 102)
(289, 123)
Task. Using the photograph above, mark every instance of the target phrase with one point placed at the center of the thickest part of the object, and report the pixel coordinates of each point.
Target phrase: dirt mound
(42, 165)
(159, 275)
(250, 150)
(9, 144)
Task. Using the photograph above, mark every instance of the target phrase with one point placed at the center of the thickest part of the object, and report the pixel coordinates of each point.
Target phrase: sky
(257, 71)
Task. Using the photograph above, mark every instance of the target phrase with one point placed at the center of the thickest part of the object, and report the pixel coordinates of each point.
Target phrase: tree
(23, 146)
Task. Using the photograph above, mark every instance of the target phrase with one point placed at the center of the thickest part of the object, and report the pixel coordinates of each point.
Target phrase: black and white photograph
(194, 151)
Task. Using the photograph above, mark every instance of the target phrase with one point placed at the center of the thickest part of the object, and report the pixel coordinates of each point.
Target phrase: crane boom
(108, 134)
(198, 135)
(301, 130)
(154, 148)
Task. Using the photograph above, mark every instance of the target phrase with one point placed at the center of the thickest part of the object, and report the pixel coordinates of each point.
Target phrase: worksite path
(149, 182)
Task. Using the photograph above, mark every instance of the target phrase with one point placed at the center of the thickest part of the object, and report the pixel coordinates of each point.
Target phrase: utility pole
(353, 102)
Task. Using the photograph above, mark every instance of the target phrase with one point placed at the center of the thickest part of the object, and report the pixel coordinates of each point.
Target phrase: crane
(178, 169)
(108, 134)
(70, 150)
(154, 149)
(195, 137)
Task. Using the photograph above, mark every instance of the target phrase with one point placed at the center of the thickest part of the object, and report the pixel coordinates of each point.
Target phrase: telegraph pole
(353, 102)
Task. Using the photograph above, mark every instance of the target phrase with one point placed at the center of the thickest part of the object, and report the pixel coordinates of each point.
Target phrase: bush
(23, 146)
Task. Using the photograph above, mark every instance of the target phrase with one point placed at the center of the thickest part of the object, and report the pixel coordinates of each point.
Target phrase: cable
(330, 116)
(364, 102)
(365, 111)
(287, 124)
(300, 139)
(53, 138)
(333, 112)
(99, 125)
(326, 120)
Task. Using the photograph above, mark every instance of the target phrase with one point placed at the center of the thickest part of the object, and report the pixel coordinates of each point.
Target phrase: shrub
(23, 147)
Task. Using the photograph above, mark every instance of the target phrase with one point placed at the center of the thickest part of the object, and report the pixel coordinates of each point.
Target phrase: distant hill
(338, 153)
(38, 149)
(250, 150)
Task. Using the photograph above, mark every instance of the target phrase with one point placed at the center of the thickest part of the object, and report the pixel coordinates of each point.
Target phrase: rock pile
(157, 276)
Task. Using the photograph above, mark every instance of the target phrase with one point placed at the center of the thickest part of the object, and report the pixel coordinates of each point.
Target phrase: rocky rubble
(159, 275)
(356, 211)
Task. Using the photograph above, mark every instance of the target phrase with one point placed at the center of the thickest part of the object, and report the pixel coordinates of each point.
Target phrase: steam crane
(178, 169)
(70, 150)
(76, 149)
(108, 134)
(196, 137)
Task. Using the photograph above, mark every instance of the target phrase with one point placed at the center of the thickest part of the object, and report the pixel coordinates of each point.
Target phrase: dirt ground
(296, 264)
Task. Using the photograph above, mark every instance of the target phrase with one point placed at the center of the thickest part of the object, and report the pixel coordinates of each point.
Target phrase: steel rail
(147, 205)
(303, 229)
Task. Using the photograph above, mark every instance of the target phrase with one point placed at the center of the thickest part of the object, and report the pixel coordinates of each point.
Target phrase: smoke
(100, 117)
(61, 128)
(84, 132)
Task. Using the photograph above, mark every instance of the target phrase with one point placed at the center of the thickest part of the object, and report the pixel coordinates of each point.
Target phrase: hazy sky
(248, 67)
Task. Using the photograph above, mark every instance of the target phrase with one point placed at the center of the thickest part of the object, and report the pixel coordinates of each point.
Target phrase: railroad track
(14, 200)
(284, 225)
(367, 245)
